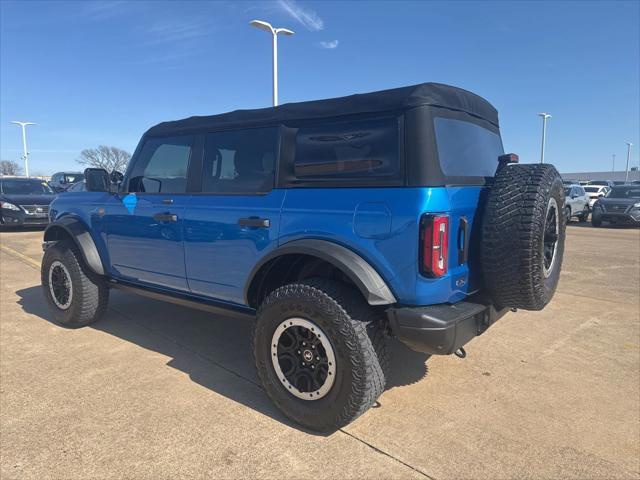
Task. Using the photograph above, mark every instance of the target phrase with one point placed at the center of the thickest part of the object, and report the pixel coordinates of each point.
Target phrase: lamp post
(626, 175)
(25, 155)
(613, 165)
(274, 33)
(544, 133)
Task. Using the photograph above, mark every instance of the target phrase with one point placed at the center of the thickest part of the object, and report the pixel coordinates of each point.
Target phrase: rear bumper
(442, 329)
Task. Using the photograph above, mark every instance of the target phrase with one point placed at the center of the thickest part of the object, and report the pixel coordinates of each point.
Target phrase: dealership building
(615, 176)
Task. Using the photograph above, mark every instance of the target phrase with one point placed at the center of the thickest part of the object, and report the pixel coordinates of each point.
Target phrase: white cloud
(330, 44)
(176, 31)
(307, 17)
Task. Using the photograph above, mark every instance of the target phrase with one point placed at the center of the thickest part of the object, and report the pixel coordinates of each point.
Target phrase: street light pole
(544, 133)
(274, 33)
(626, 176)
(613, 165)
(25, 155)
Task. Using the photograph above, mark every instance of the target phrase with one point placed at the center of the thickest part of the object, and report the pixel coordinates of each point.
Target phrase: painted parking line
(33, 263)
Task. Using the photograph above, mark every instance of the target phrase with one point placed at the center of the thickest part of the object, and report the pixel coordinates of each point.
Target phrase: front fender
(75, 229)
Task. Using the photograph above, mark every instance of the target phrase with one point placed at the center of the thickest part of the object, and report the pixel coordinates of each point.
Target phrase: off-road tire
(595, 222)
(355, 332)
(512, 250)
(90, 291)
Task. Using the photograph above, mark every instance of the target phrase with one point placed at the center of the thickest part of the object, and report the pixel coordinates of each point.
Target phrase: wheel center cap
(307, 355)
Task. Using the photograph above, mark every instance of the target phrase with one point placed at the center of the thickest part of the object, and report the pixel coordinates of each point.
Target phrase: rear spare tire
(523, 233)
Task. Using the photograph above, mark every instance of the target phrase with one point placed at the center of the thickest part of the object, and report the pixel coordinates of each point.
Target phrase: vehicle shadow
(194, 342)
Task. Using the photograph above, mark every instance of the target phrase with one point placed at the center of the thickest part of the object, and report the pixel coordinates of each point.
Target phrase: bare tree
(109, 158)
(9, 167)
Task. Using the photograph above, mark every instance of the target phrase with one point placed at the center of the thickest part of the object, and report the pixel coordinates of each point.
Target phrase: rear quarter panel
(382, 226)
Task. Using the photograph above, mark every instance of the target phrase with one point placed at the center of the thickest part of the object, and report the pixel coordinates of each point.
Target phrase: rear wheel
(523, 236)
(320, 353)
(567, 214)
(76, 296)
(595, 222)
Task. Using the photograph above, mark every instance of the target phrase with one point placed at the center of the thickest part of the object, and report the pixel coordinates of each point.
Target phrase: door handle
(165, 217)
(167, 201)
(255, 222)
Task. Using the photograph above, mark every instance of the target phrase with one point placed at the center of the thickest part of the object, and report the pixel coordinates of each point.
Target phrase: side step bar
(176, 298)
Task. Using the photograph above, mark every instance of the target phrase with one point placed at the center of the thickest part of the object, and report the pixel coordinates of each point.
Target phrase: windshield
(592, 189)
(567, 191)
(73, 177)
(25, 187)
(624, 192)
(466, 149)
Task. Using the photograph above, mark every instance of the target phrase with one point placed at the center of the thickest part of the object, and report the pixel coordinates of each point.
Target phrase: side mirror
(116, 177)
(97, 179)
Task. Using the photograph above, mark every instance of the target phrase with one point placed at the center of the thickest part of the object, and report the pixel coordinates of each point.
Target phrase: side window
(466, 149)
(354, 149)
(240, 161)
(162, 166)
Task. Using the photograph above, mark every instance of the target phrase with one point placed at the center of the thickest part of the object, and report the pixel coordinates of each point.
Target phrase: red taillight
(434, 239)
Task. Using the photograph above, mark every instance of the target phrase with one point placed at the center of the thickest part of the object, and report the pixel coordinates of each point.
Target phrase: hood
(44, 199)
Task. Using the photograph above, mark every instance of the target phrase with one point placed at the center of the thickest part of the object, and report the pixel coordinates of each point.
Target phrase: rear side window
(466, 149)
(240, 161)
(355, 149)
(162, 166)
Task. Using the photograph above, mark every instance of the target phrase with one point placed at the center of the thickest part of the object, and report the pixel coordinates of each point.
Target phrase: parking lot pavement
(159, 391)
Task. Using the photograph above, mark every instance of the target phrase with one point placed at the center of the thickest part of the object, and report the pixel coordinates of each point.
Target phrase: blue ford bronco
(332, 224)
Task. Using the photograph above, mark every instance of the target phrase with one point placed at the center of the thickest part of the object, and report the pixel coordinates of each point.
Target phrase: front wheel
(320, 353)
(76, 296)
(584, 216)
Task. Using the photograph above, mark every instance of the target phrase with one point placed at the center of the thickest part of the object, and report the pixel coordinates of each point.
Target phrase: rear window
(355, 149)
(466, 149)
(592, 189)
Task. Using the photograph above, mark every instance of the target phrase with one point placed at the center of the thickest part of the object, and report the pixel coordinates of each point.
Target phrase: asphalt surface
(160, 391)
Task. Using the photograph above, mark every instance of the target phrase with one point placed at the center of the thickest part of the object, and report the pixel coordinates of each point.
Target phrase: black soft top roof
(434, 94)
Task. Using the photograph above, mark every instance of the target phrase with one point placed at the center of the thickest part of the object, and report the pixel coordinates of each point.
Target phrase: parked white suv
(594, 192)
(576, 203)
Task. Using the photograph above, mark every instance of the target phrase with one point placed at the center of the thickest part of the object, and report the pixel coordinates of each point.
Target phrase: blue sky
(93, 73)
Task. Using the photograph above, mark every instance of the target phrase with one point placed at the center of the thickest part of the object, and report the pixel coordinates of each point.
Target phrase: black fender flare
(79, 233)
(359, 271)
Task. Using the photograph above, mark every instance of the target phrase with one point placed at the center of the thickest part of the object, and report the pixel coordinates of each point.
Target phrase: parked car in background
(619, 182)
(620, 206)
(594, 192)
(576, 203)
(80, 186)
(569, 182)
(24, 201)
(61, 181)
(583, 182)
(607, 183)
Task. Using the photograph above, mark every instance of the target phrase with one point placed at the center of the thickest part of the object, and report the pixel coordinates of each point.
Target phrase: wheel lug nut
(312, 367)
(298, 352)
